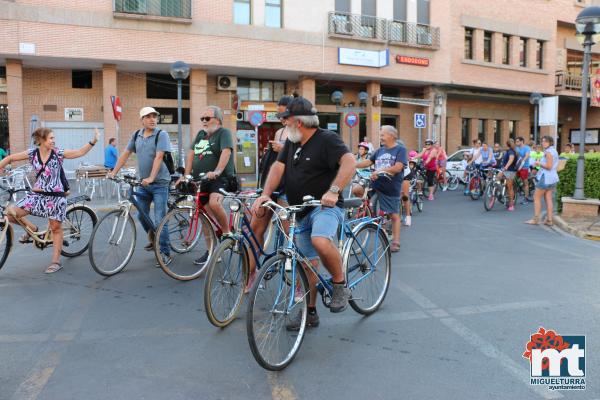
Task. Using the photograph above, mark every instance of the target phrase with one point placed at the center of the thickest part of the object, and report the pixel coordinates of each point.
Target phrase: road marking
(24, 338)
(31, 387)
(491, 351)
(415, 296)
(469, 310)
(280, 389)
(15, 285)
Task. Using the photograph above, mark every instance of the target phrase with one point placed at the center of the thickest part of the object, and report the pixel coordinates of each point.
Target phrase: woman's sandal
(52, 268)
(26, 237)
(533, 221)
(395, 247)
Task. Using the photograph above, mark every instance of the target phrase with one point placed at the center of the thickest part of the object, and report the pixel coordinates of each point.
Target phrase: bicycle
(416, 197)
(364, 210)
(281, 289)
(114, 237)
(520, 186)
(496, 190)
(77, 226)
(228, 268)
(193, 234)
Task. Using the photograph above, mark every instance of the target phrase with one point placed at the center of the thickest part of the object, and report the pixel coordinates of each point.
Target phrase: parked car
(454, 163)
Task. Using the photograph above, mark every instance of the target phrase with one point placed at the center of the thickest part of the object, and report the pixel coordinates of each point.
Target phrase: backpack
(63, 177)
(167, 157)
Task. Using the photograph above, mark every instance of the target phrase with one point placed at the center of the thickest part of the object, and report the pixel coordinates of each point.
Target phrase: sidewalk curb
(562, 224)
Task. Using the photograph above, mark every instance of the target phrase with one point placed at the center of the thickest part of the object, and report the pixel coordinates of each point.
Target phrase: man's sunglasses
(206, 119)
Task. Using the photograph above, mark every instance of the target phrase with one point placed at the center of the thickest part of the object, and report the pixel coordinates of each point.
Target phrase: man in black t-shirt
(314, 162)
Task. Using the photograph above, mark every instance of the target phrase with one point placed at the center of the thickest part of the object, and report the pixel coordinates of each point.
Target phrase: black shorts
(213, 186)
(430, 175)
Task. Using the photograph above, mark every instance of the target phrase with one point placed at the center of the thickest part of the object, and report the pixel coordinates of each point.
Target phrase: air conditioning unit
(226, 82)
(134, 6)
(424, 38)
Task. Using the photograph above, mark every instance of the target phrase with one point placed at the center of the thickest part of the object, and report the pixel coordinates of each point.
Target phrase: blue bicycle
(281, 290)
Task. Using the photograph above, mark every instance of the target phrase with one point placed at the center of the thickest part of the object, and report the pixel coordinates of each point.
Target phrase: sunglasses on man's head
(206, 119)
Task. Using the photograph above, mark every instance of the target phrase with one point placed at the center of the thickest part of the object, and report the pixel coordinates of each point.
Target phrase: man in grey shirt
(154, 174)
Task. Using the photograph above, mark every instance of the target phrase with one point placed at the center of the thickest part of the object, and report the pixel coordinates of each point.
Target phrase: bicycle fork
(125, 213)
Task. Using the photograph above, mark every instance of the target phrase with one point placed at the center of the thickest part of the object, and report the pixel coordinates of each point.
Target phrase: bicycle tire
(364, 268)
(78, 226)
(222, 275)
(475, 188)
(452, 182)
(272, 276)
(97, 253)
(420, 202)
(186, 268)
(489, 198)
(6, 245)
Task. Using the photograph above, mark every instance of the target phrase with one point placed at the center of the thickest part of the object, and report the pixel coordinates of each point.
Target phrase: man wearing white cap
(155, 175)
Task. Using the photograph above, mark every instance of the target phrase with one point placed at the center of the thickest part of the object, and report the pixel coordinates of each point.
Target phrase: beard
(294, 134)
(212, 129)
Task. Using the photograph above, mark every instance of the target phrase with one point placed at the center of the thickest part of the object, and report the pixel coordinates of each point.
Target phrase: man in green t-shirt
(3, 153)
(211, 154)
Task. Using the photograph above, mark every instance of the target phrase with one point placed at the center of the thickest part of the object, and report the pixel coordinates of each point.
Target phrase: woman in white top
(546, 180)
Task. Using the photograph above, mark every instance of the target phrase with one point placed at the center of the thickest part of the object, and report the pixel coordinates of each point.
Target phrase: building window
(241, 12)
(163, 86)
(468, 43)
(162, 8)
(539, 54)
(465, 132)
(481, 133)
(523, 52)
(342, 6)
(256, 90)
(168, 115)
(505, 49)
(423, 12)
(273, 13)
(368, 7)
(487, 46)
(399, 10)
(512, 129)
(498, 132)
(81, 79)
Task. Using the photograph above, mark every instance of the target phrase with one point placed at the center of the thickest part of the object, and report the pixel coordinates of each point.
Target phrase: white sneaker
(407, 220)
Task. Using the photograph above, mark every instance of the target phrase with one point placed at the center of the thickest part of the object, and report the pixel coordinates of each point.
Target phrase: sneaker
(407, 220)
(339, 298)
(511, 208)
(202, 260)
(166, 259)
(430, 198)
(444, 188)
(312, 321)
(466, 193)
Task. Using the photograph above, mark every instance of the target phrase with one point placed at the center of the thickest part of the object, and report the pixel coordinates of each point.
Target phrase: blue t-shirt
(522, 153)
(507, 154)
(110, 156)
(145, 149)
(385, 158)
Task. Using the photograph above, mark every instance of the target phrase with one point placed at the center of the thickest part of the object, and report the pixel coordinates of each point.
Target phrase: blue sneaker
(467, 193)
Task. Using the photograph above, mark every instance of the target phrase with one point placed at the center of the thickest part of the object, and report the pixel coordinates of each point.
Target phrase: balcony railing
(567, 81)
(155, 8)
(363, 27)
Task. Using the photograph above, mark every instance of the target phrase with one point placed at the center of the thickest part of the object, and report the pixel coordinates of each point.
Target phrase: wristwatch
(334, 189)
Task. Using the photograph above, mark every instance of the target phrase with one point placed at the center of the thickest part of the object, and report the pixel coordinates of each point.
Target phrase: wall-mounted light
(363, 97)
(337, 96)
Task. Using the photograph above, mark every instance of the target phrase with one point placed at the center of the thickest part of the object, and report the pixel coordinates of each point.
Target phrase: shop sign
(421, 62)
(73, 114)
(271, 116)
(595, 89)
(363, 58)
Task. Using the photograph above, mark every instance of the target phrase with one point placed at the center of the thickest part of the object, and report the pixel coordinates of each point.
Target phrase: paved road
(468, 289)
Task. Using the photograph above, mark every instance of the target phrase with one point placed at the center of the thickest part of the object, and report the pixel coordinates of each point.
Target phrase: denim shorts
(320, 222)
(388, 204)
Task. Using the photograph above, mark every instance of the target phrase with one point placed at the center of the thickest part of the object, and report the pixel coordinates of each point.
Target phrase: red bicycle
(193, 234)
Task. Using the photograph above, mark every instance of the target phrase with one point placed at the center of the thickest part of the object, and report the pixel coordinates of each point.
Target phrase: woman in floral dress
(47, 198)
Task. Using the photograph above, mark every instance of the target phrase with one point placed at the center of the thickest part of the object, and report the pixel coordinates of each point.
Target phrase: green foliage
(591, 185)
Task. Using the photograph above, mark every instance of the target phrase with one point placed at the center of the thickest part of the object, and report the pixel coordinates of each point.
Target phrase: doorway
(4, 126)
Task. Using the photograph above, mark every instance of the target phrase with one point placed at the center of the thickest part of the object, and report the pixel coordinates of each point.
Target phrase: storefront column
(505, 133)
(109, 88)
(18, 135)
(306, 86)
(373, 114)
(198, 99)
(489, 131)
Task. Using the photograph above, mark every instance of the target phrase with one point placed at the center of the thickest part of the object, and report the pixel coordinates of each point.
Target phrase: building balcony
(153, 9)
(363, 27)
(568, 84)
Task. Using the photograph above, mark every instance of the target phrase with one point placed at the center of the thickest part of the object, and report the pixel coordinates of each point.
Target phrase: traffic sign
(351, 119)
(420, 120)
(256, 118)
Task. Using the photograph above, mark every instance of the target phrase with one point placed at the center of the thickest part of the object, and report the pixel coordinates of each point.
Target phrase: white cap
(147, 110)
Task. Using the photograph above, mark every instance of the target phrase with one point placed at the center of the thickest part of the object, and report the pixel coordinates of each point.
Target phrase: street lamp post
(587, 24)
(179, 71)
(535, 99)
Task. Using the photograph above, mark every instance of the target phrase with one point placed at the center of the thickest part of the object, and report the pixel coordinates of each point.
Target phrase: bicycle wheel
(191, 242)
(226, 278)
(269, 309)
(475, 188)
(490, 197)
(419, 202)
(77, 230)
(6, 243)
(367, 261)
(452, 181)
(112, 243)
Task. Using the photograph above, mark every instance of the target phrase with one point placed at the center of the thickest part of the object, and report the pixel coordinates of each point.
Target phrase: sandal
(52, 268)
(548, 223)
(533, 221)
(395, 247)
(26, 238)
